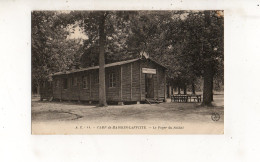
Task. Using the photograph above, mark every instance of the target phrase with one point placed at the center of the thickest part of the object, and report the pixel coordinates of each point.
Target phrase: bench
(179, 98)
(186, 98)
(195, 98)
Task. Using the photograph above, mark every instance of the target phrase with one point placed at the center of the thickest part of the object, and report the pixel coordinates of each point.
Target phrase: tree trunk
(208, 69)
(208, 85)
(170, 91)
(212, 89)
(179, 90)
(185, 89)
(193, 88)
(38, 89)
(102, 39)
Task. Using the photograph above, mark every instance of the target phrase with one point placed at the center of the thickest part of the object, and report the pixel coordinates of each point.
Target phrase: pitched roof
(107, 65)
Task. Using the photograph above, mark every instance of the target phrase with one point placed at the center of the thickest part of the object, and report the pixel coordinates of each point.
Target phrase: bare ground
(52, 113)
(65, 111)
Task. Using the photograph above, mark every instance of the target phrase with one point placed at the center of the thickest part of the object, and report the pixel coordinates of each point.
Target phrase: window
(65, 83)
(84, 82)
(74, 81)
(112, 80)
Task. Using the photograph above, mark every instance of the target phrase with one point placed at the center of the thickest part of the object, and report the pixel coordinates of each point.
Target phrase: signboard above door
(149, 71)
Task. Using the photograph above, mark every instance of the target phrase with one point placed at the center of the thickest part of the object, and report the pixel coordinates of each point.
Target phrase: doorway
(149, 86)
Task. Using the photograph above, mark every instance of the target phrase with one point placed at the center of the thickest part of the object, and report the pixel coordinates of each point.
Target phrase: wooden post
(131, 96)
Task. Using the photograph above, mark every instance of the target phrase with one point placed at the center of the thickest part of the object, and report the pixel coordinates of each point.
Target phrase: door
(149, 86)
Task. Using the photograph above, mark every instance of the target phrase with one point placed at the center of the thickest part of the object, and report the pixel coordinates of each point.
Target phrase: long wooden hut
(131, 80)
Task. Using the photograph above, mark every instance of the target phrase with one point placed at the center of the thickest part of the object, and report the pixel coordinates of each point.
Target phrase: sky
(77, 34)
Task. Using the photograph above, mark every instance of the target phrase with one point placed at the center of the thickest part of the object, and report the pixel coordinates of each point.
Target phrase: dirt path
(55, 114)
(191, 112)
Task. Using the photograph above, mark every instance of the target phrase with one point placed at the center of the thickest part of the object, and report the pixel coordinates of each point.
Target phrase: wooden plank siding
(136, 81)
(158, 79)
(126, 82)
(112, 93)
(129, 83)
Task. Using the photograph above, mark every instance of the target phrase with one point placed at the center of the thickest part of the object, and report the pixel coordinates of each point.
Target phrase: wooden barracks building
(126, 81)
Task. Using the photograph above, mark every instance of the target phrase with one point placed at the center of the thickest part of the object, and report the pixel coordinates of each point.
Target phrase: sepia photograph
(127, 72)
(129, 81)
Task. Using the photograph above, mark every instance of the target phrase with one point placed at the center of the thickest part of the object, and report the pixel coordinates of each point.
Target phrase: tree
(214, 41)
(100, 27)
(188, 43)
(102, 40)
(163, 36)
(51, 50)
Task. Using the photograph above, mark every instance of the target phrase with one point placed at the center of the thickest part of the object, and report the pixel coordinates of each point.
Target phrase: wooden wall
(136, 81)
(158, 79)
(112, 93)
(128, 86)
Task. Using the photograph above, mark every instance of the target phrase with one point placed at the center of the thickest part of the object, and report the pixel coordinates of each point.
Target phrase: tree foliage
(186, 42)
(51, 50)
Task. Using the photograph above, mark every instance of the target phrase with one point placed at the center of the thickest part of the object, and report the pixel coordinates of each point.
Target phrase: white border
(242, 59)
